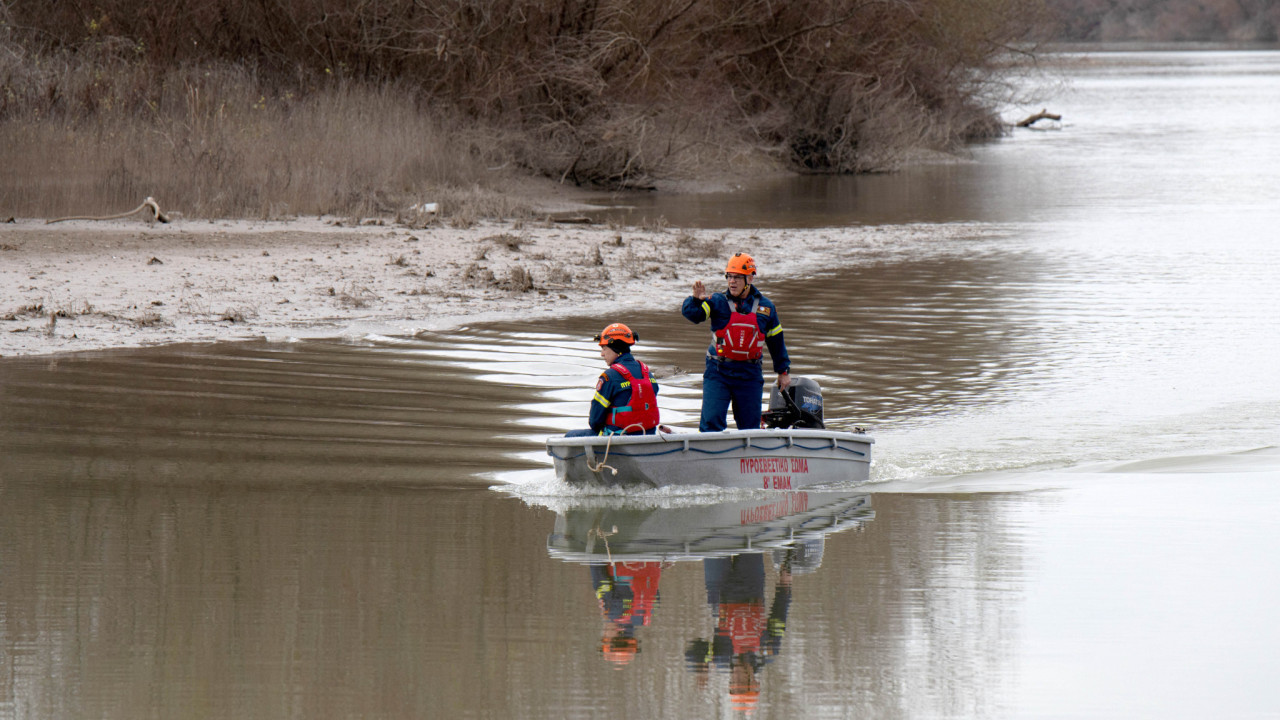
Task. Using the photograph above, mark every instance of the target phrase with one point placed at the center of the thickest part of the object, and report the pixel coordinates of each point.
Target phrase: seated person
(626, 399)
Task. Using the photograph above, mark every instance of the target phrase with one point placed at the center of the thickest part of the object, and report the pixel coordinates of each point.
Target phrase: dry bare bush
(236, 314)
(691, 246)
(653, 224)
(518, 280)
(32, 308)
(355, 296)
(477, 275)
(193, 304)
(505, 240)
(150, 318)
(559, 275)
(69, 310)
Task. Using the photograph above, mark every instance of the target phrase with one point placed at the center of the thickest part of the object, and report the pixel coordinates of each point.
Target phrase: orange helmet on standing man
(741, 264)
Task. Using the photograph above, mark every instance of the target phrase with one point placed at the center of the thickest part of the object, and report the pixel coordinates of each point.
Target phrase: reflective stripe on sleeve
(776, 330)
(602, 400)
(706, 308)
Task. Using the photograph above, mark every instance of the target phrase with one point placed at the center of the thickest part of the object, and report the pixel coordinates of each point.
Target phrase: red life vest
(643, 579)
(744, 624)
(642, 409)
(741, 338)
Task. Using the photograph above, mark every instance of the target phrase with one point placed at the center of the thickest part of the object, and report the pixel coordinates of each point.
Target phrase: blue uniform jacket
(613, 391)
(717, 309)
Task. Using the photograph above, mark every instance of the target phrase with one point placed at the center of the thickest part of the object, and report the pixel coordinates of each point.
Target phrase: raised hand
(700, 290)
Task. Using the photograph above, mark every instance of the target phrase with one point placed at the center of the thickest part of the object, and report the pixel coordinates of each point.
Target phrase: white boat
(776, 459)
(604, 532)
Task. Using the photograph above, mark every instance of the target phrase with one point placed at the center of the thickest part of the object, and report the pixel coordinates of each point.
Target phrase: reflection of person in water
(746, 638)
(628, 592)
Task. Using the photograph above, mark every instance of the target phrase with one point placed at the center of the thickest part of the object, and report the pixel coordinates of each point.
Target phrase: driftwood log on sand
(149, 204)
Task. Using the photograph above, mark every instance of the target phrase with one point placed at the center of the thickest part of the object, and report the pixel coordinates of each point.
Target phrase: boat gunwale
(661, 438)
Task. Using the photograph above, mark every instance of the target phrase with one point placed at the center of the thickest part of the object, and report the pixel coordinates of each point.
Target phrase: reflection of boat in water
(604, 533)
(627, 547)
(775, 459)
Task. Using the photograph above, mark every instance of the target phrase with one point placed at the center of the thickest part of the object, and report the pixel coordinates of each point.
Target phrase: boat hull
(776, 521)
(756, 459)
(757, 524)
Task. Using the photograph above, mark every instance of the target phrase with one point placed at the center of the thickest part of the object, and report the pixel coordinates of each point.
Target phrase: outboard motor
(799, 406)
(801, 558)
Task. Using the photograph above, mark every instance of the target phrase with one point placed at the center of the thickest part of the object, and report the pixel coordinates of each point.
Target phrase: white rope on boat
(604, 536)
(607, 444)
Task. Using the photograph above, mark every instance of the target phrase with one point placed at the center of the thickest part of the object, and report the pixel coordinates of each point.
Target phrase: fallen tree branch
(1042, 115)
(149, 203)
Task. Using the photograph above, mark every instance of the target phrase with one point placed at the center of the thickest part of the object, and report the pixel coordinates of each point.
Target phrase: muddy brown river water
(1072, 511)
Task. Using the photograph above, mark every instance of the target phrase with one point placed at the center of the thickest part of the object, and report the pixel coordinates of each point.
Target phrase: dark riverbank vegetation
(286, 107)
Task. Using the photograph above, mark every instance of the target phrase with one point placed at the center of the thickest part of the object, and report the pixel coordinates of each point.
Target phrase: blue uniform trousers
(742, 387)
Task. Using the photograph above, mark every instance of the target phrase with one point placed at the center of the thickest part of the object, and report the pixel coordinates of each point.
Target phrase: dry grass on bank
(214, 141)
(215, 145)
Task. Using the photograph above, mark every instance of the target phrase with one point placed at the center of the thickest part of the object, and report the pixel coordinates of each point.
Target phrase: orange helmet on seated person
(619, 650)
(741, 264)
(617, 331)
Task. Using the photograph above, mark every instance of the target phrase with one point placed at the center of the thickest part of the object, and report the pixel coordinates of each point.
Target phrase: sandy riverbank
(89, 285)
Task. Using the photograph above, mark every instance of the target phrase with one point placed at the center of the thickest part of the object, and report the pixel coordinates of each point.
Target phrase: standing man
(743, 323)
(626, 399)
(747, 636)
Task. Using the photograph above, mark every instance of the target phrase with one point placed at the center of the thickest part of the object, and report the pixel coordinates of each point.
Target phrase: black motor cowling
(799, 406)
